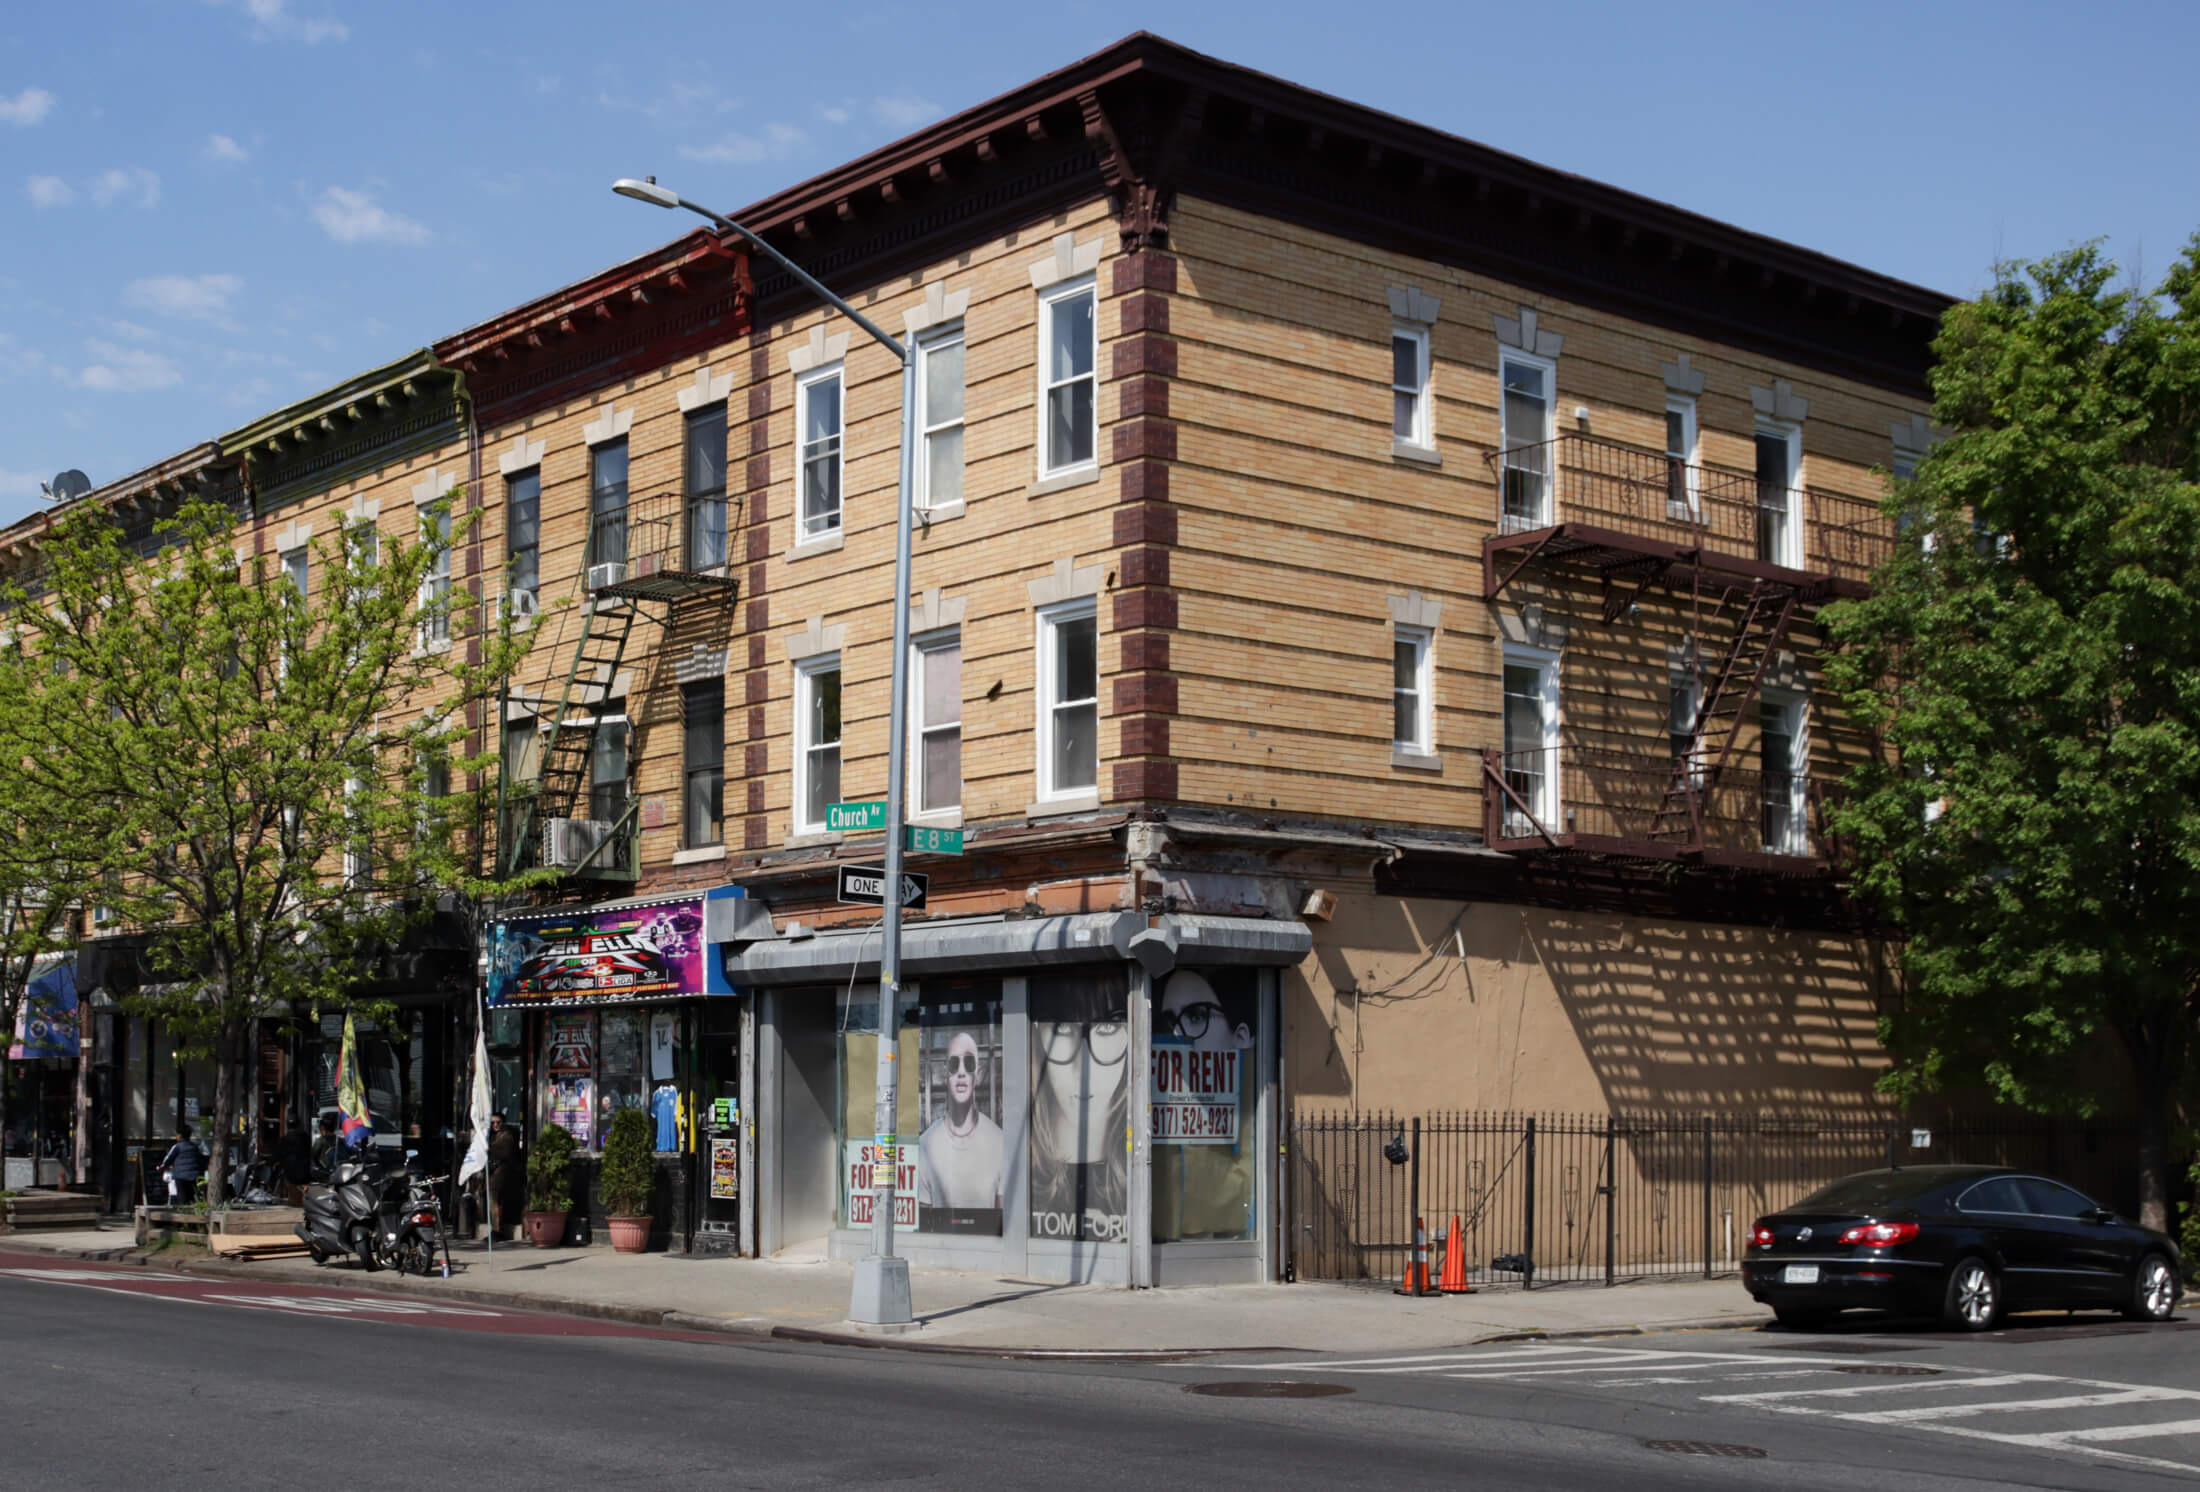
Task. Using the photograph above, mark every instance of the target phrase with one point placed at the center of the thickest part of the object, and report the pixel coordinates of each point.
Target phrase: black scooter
(344, 1213)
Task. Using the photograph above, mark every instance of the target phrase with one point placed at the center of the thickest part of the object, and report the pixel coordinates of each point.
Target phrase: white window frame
(296, 565)
(1423, 641)
(921, 649)
(824, 526)
(806, 673)
(1791, 546)
(1689, 509)
(1422, 427)
(358, 862)
(1544, 800)
(927, 344)
(435, 582)
(1544, 515)
(1049, 299)
(1049, 620)
(1796, 706)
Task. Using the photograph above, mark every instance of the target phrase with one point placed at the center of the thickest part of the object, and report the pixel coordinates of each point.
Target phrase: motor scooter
(343, 1214)
(411, 1224)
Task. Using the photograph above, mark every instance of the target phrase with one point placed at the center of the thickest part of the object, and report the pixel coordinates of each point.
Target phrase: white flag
(477, 1151)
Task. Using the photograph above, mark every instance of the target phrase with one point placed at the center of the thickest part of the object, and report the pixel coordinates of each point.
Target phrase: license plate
(1799, 1274)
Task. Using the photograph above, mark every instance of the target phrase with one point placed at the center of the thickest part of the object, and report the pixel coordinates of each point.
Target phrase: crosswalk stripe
(2119, 1432)
(2010, 1406)
(1907, 1385)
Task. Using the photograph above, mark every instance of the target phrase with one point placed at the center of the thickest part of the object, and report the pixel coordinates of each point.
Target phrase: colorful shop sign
(651, 950)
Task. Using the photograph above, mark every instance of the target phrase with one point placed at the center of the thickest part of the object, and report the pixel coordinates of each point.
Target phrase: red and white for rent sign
(1195, 1094)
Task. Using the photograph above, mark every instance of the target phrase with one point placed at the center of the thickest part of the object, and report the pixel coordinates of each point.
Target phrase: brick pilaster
(1142, 447)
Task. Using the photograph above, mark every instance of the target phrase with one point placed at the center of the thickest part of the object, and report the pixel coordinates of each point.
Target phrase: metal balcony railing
(1670, 505)
(1605, 800)
(664, 547)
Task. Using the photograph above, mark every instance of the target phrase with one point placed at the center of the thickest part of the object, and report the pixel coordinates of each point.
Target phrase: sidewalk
(802, 1298)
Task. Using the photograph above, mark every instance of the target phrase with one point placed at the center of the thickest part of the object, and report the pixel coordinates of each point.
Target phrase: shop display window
(1080, 1105)
(961, 1155)
(858, 1011)
(1206, 1074)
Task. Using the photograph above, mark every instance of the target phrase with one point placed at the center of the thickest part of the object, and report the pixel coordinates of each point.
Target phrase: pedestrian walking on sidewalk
(185, 1163)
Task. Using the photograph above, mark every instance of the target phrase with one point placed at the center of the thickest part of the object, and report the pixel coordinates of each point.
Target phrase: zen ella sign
(1195, 1094)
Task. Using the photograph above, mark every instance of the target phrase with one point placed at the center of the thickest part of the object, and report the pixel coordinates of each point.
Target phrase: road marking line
(2008, 1406)
(1907, 1385)
(2067, 1440)
(2122, 1432)
(1721, 1378)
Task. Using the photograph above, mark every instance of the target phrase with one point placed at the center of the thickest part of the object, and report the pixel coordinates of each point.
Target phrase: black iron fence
(1543, 1198)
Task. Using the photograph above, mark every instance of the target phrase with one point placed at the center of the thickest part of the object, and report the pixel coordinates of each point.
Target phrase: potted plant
(627, 1178)
(549, 1186)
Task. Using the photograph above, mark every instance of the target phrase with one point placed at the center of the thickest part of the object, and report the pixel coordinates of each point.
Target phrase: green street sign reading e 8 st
(921, 840)
(855, 818)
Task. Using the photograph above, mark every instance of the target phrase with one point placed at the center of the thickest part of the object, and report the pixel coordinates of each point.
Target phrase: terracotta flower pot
(545, 1230)
(630, 1235)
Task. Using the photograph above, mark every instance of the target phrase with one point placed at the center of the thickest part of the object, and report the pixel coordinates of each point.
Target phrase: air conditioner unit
(612, 572)
(521, 604)
(567, 842)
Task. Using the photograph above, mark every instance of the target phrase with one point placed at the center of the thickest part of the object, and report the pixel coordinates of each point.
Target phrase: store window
(1080, 1105)
(621, 1066)
(1206, 1066)
(961, 1157)
(858, 1024)
(565, 1092)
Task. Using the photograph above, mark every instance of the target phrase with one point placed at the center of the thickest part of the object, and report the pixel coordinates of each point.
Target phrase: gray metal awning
(1002, 945)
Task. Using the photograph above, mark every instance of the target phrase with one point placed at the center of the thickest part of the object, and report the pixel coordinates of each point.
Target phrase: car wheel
(2153, 1290)
(1794, 1318)
(1973, 1301)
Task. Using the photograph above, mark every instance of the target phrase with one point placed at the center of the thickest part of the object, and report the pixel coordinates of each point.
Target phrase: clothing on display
(664, 1107)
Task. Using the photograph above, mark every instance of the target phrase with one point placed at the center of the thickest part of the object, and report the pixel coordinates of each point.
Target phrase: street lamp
(881, 1293)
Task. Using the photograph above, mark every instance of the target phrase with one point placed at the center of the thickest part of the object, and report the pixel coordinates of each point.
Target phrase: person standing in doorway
(506, 1172)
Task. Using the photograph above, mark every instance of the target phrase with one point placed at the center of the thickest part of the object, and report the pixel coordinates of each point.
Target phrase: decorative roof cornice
(370, 419)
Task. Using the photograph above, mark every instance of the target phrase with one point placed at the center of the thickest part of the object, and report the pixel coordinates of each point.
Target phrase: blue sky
(209, 208)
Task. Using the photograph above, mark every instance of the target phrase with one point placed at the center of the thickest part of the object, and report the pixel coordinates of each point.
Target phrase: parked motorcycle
(413, 1229)
(344, 1213)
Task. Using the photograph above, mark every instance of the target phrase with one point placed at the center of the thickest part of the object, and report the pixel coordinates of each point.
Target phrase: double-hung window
(607, 503)
(940, 419)
(523, 534)
(1531, 741)
(297, 568)
(938, 722)
(1681, 481)
(1068, 377)
(1069, 701)
(1782, 753)
(817, 741)
(607, 769)
(702, 763)
(522, 775)
(704, 450)
(1686, 701)
(818, 418)
(1525, 400)
(358, 840)
(435, 582)
(1410, 709)
(1410, 417)
(1779, 468)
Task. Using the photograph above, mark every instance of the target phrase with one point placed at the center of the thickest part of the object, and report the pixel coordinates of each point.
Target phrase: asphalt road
(123, 1378)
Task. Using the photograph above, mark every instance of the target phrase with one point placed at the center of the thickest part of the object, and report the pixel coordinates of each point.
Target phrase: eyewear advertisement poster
(862, 1156)
(599, 956)
(1080, 1106)
(1205, 1025)
(725, 1170)
(960, 1149)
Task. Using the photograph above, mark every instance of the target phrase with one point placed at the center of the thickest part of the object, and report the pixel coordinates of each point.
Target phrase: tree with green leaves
(2030, 657)
(270, 780)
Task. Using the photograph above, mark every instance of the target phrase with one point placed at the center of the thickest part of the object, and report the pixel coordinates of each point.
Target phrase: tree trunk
(226, 1050)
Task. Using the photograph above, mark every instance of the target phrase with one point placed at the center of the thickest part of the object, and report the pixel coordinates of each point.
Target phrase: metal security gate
(1548, 1198)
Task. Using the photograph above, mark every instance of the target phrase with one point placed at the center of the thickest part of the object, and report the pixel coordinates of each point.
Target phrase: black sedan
(1963, 1243)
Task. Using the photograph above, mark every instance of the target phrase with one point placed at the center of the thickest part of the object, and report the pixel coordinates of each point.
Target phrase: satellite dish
(68, 485)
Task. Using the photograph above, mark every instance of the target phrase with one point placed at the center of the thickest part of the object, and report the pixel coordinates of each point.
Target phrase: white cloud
(50, 191)
(274, 22)
(124, 182)
(834, 114)
(903, 113)
(776, 143)
(116, 369)
(28, 107)
(130, 329)
(224, 151)
(20, 484)
(354, 217)
(203, 297)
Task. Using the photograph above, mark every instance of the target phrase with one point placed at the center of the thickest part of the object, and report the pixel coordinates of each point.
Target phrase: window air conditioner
(612, 572)
(567, 842)
(522, 604)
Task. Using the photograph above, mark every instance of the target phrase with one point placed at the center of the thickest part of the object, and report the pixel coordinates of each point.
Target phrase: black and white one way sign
(866, 884)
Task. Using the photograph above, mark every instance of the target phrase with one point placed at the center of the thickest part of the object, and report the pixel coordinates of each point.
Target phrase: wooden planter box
(35, 1210)
(260, 1233)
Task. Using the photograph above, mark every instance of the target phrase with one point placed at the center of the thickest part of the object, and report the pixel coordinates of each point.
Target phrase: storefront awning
(995, 945)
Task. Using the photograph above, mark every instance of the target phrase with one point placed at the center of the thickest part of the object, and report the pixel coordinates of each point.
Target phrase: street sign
(866, 884)
(924, 840)
(855, 818)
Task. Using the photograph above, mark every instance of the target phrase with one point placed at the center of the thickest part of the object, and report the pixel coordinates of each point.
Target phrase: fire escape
(1748, 557)
(641, 555)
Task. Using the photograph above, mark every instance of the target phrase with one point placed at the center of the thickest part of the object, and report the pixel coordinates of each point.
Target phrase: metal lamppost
(881, 1294)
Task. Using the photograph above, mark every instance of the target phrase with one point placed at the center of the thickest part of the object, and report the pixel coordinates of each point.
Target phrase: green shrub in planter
(550, 1171)
(628, 1175)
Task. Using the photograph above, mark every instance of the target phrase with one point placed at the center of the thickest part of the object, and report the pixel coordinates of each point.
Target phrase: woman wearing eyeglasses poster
(1080, 1108)
(959, 1153)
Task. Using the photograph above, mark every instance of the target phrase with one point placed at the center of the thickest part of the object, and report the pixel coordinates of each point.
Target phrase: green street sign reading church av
(870, 817)
(855, 818)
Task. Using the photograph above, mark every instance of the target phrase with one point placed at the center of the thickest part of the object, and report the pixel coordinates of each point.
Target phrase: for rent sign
(1195, 1094)
(862, 1156)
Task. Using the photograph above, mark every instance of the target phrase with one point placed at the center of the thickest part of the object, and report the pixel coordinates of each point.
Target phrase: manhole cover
(1268, 1389)
(1706, 1448)
(1886, 1370)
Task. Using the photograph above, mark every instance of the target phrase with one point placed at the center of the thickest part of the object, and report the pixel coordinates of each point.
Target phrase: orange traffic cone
(1416, 1280)
(1454, 1281)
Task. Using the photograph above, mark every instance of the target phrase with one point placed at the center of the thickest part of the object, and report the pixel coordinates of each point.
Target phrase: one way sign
(866, 884)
